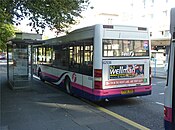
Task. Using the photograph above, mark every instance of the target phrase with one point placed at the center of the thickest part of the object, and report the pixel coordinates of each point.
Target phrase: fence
(158, 68)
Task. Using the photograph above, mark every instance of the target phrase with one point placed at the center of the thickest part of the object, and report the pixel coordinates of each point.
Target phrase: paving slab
(44, 107)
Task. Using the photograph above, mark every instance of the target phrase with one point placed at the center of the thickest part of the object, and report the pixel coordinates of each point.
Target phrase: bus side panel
(173, 98)
(57, 77)
(75, 78)
(85, 88)
(87, 85)
(46, 72)
(169, 108)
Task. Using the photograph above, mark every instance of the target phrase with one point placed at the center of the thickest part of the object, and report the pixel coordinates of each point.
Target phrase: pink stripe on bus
(105, 92)
(168, 116)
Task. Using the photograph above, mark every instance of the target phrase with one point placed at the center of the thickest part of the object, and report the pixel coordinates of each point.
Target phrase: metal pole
(31, 60)
(7, 62)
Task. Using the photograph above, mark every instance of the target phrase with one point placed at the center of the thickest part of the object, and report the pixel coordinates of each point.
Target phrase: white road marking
(161, 93)
(160, 103)
(160, 82)
(36, 77)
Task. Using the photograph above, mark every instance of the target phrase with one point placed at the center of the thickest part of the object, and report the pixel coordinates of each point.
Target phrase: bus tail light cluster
(165, 112)
(98, 78)
(150, 75)
(168, 114)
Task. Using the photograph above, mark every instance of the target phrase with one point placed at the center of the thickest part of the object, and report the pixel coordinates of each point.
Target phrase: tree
(56, 14)
(6, 32)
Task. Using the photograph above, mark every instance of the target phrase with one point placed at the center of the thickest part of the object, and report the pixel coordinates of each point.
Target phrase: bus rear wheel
(68, 85)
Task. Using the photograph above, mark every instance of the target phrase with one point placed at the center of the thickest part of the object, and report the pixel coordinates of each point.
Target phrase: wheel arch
(39, 70)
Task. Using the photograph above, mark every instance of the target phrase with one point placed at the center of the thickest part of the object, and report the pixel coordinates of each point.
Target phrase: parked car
(2, 56)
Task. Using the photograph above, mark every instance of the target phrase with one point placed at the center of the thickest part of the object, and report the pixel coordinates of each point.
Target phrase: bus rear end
(124, 67)
(126, 78)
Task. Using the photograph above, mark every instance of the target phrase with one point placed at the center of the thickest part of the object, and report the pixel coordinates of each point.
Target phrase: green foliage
(6, 32)
(56, 14)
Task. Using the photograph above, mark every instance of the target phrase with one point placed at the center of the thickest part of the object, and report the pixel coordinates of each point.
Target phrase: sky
(108, 6)
(100, 6)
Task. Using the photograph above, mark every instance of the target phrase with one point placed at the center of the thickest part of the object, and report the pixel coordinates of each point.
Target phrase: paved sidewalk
(158, 72)
(43, 107)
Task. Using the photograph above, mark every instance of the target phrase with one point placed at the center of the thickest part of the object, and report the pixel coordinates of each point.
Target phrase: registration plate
(127, 91)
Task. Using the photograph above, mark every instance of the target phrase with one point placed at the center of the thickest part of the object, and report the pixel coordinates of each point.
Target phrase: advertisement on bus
(126, 71)
(124, 75)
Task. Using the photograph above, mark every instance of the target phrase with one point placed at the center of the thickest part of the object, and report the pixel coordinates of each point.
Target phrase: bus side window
(88, 60)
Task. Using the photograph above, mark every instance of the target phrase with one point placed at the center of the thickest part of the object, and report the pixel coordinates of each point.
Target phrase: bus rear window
(125, 48)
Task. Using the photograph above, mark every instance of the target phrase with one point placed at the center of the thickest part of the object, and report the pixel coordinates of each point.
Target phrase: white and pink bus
(98, 62)
(169, 107)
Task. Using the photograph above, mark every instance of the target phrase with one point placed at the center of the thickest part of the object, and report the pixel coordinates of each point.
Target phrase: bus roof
(79, 34)
(88, 32)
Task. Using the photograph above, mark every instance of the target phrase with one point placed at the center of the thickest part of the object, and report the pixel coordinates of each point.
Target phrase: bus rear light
(150, 75)
(165, 112)
(98, 79)
(98, 73)
(98, 85)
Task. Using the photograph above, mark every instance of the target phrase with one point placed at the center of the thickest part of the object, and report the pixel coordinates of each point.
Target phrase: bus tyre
(67, 85)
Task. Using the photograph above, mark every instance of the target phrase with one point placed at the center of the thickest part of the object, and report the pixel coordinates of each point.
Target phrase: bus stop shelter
(20, 59)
